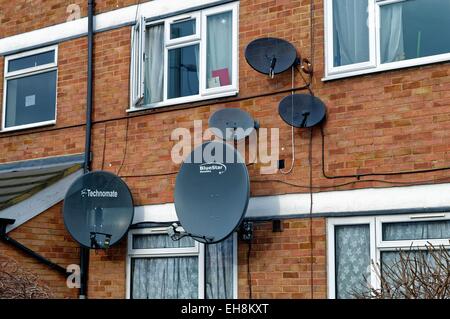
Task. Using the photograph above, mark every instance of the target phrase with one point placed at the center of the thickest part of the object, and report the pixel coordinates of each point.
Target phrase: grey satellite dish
(271, 55)
(98, 210)
(302, 110)
(232, 124)
(211, 197)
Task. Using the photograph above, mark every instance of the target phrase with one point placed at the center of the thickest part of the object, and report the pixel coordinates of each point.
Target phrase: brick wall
(280, 263)
(46, 235)
(107, 272)
(390, 121)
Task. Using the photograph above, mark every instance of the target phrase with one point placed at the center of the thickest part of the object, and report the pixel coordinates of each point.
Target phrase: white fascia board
(335, 202)
(104, 21)
(39, 202)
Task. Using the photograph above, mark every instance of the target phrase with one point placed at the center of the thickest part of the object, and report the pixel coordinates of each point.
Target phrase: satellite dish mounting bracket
(176, 234)
(272, 67)
(95, 244)
(246, 231)
(306, 66)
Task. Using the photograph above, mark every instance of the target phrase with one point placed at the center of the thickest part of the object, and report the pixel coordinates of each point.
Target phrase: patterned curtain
(352, 259)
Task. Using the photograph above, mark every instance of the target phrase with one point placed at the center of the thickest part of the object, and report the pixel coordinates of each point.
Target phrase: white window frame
(197, 251)
(25, 73)
(200, 38)
(377, 245)
(168, 23)
(374, 63)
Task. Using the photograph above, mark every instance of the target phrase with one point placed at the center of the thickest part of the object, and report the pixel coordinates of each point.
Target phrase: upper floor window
(185, 58)
(366, 36)
(30, 89)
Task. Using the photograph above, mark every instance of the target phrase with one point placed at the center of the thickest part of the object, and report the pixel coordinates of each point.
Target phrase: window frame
(49, 67)
(137, 68)
(374, 65)
(331, 247)
(377, 245)
(181, 18)
(183, 99)
(197, 251)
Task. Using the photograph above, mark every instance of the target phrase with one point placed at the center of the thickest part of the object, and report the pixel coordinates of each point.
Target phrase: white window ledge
(390, 66)
(183, 100)
(27, 126)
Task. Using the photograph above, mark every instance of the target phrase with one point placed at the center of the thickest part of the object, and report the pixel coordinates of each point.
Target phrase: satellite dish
(211, 196)
(232, 123)
(271, 55)
(98, 210)
(302, 110)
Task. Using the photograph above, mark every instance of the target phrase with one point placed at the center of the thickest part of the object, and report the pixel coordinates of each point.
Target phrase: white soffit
(39, 202)
(103, 21)
(349, 201)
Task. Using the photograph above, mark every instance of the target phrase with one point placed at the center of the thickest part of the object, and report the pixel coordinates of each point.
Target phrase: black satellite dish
(302, 110)
(211, 196)
(271, 55)
(98, 210)
(232, 123)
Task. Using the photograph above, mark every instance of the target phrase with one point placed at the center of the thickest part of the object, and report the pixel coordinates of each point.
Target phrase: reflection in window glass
(182, 29)
(31, 99)
(31, 61)
(219, 50)
(350, 31)
(183, 71)
(413, 29)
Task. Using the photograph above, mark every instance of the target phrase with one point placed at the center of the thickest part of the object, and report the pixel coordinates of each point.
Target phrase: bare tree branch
(413, 274)
(16, 283)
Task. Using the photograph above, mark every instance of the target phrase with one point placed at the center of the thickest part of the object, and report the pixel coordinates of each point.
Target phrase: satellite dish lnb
(211, 196)
(232, 124)
(302, 110)
(98, 210)
(271, 55)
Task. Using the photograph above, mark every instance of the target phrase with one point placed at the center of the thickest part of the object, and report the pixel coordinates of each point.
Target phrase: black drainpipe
(8, 240)
(84, 252)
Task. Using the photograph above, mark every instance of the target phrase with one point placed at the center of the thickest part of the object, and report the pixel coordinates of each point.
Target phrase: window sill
(27, 126)
(389, 67)
(184, 100)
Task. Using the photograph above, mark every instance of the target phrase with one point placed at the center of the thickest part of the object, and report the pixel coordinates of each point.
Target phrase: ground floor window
(160, 268)
(356, 244)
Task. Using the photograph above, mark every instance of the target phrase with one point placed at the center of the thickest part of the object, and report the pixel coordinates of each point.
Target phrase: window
(160, 268)
(366, 36)
(185, 58)
(353, 243)
(30, 89)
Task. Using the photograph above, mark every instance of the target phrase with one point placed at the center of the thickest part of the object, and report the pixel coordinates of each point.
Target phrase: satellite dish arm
(176, 234)
(305, 118)
(272, 67)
